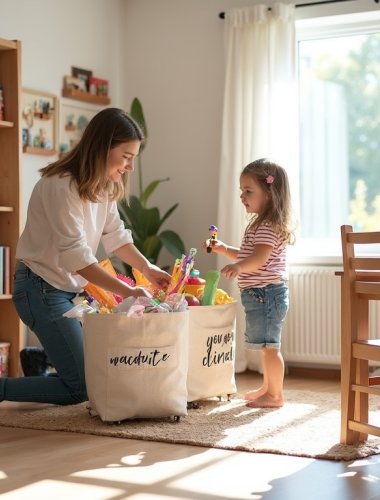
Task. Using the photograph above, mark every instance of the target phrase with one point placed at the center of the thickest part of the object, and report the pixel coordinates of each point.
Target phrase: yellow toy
(222, 297)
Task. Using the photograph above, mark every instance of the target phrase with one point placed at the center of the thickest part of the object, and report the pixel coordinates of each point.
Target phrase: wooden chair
(360, 283)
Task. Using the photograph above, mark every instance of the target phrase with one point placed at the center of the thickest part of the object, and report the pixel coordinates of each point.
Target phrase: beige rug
(307, 425)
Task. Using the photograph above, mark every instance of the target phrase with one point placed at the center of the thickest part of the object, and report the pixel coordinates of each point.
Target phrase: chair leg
(348, 402)
(361, 399)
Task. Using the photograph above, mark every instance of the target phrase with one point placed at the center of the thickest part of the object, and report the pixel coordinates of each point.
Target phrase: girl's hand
(217, 246)
(231, 270)
(156, 276)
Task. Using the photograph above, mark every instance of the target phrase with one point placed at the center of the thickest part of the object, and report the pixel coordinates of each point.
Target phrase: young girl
(260, 267)
(72, 209)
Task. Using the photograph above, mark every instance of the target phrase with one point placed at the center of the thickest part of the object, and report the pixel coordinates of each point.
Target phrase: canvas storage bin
(136, 367)
(212, 331)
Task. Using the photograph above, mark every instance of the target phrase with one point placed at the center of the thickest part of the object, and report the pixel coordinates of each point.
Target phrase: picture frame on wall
(73, 120)
(39, 122)
(82, 74)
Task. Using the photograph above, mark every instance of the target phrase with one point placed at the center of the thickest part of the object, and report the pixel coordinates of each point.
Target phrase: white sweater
(62, 232)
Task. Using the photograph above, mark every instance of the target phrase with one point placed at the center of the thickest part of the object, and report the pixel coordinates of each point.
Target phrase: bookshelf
(10, 163)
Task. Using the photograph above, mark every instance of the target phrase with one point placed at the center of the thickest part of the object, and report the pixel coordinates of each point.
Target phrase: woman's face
(121, 159)
(253, 196)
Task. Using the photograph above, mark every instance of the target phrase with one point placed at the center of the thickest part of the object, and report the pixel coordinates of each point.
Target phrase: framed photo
(39, 122)
(82, 74)
(73, 120)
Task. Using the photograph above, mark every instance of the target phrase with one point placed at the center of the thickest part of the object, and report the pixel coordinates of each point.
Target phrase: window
(339, 105)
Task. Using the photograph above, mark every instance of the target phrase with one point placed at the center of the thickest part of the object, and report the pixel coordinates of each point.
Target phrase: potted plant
(146, 222)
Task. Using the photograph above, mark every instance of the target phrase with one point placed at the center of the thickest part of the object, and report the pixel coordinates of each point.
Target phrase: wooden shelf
(6, 124)
(11, 328)
(42, 116)
(39, 151)
(79, 95)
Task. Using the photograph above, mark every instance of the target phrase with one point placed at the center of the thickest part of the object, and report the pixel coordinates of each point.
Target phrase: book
(7, 270)
(1, 270)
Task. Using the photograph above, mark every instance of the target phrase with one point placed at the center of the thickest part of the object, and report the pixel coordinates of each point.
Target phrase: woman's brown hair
(86, 163)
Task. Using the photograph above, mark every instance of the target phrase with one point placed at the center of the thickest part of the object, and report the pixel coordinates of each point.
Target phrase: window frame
(315, 250)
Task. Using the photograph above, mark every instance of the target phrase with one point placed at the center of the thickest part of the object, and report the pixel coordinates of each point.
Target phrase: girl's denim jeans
(265, 312)
(41, 308)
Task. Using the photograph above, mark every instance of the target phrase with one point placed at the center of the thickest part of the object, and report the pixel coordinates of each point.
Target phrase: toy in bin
(195, 284)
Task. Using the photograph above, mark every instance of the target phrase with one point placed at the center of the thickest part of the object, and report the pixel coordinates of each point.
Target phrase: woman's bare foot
(266, 401)
(256, 393)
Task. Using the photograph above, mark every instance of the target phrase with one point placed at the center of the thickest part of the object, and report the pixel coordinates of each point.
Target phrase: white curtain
(260, 118)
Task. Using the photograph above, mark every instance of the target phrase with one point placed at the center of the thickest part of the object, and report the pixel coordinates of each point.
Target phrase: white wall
(55, 35)
(169, 53)
(173, 61)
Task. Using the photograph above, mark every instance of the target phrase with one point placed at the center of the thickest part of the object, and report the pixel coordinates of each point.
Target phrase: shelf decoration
(73, 121)
(39, 114)
(83, 86)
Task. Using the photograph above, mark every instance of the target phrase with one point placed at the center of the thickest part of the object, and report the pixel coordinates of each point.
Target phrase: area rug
(307, 425)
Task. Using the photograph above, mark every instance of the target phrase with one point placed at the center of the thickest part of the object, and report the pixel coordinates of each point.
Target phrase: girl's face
(253, 196)
(121, 159)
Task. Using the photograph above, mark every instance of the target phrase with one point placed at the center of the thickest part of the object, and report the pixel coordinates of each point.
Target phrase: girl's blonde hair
(86, 163)
(278, 213)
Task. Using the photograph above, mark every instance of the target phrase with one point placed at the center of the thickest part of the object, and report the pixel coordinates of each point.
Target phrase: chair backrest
(363, 269)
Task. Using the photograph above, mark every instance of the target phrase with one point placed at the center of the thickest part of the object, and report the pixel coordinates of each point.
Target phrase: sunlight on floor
(63, 490)
(147, 479)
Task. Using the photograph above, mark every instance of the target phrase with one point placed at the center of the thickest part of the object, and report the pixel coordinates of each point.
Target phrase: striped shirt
(274, 270)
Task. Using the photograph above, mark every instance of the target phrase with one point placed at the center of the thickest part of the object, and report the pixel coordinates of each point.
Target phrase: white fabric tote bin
(212, 331)
(136, 367)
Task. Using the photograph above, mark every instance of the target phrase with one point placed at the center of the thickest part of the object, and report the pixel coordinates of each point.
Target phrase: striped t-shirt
(274, 270)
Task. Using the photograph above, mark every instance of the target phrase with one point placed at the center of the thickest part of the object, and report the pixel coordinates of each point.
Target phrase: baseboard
(312, 372)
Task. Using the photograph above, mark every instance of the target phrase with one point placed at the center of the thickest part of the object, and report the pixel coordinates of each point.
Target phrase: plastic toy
(181, 272)
(213, 236)
(195, 284)
(212, 280)
(104, 297)
(222, 297)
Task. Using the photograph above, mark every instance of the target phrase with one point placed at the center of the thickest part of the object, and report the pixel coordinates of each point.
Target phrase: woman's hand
(231, 270)
(139, 291)
(156, 276)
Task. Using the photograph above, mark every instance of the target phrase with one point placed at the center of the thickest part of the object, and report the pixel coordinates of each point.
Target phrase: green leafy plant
(144, 222)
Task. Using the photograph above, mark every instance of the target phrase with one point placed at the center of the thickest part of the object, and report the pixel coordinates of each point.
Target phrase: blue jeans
(41, 306)
(265, 312)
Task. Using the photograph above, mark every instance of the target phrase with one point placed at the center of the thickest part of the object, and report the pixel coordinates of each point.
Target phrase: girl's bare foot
(266, 401)
(256, 393)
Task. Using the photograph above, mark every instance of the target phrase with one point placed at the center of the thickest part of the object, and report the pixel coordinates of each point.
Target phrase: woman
(72, 209)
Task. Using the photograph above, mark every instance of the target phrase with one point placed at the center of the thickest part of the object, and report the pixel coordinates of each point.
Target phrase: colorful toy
(104, 297)
(213, 236)
(181, 272)
(222, 297)
(127, 280)
(212, 280)
(195, 284)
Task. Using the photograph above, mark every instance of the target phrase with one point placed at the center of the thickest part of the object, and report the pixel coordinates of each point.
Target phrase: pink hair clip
(270, 179)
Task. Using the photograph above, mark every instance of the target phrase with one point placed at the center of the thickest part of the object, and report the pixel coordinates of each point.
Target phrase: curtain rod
(222, 14)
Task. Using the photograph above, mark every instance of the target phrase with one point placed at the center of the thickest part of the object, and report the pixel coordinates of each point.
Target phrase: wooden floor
(41, 465)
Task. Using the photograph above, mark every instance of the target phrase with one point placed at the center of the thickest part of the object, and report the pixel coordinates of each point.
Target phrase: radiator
(311, 334)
